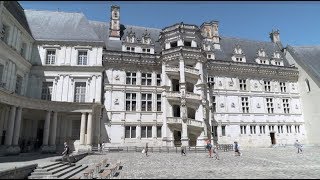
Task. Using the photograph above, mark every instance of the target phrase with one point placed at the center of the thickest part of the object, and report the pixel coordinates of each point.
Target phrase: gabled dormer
(262, 57)
(146, 39)
(238, 55)
(277, 60)
(131, 37)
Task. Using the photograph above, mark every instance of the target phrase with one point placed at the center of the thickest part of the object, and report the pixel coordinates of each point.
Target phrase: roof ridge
(245, 39)
(143, 27)
(54, 11)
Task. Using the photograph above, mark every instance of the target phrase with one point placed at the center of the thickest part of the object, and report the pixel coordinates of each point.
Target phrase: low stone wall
(17, 172)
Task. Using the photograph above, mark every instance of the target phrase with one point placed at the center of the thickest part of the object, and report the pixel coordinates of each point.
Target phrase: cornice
(69, 68)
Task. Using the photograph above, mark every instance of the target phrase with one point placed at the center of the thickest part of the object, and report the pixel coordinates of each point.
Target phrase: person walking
(236, 149)
(209, 147)
(215, 151)
(298, 145)
(183, 151)
(146, 149)
(66, 153)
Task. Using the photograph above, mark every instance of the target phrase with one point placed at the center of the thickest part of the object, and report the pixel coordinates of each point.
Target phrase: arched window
(308, 85)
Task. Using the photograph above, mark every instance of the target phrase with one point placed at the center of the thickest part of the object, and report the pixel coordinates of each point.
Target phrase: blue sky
(297, 21)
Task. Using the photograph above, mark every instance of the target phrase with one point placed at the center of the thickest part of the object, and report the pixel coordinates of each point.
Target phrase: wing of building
(306, 59)
(66, 78)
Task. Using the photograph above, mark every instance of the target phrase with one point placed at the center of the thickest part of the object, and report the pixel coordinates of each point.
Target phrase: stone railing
(194, 122)
(17, 172)
(194, 96)
(173, 94)
(172, 69)
(171, 120)
(191, 70)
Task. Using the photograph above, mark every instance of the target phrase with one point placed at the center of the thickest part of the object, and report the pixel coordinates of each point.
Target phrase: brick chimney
(114, 28)
(274, 35)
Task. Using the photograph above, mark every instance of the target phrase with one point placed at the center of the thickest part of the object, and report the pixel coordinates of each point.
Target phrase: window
(243, 129)
(131, 78)
(280, 128)
(23, 49)
(159, 130)
(286, 108)
(131, 101)
(158, 79)
(223, 130)
(1, 73)
(82, 57)
(51, 57)
(263, 61)
(239, 59)
(130, 49)
(242, 84)
(130, 131)
(174, 44)
(288, 128)
(245, 104)
(148, 50)
(187, 43)
(283, 87)
(46, 93)
(267, 86)
(277, 63)
(214, 104)
(5, 33)
(252, 129)
(18, 84)
(144, 50)
(270, 105)
(146, 79)
(211, 81)
(80, 92)
(308, 85)
(271, 127)
(158, 102)
(262, 129)
(209, 56)
(297, 128)
(214, 130)
(146, 131)
(146, 102)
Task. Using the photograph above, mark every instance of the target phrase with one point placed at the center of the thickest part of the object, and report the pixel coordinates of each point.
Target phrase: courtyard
(254, 163)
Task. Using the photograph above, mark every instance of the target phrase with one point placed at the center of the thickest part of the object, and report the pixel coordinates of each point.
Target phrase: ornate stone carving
(297, 106)
(233, 105)
(258, 105)
(220, 83)
(116, 102)
(231, 83)
(117, 77)
(279, 106)
(255, 85)
(222, 105)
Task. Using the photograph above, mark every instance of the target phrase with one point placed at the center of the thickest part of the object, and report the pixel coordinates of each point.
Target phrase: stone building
(66, 78)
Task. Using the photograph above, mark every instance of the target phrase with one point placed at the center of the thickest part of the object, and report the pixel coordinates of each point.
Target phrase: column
(17, 127)
(63, 130)
(98, 90)
(93, 85)
(83, 128)
(9, 134)
(89, 129)
(138, 131)
(2, 118)
(184, 134)
(46, 129)
(53, 130)
(154, 131)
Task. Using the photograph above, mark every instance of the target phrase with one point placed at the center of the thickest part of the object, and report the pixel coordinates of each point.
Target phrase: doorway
(177, 138)
(273, 138)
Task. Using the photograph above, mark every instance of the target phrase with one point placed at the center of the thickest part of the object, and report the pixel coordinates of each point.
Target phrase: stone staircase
(56, 170)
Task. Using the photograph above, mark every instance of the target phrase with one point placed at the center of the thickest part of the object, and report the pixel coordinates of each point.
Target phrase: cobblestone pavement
(254, 163)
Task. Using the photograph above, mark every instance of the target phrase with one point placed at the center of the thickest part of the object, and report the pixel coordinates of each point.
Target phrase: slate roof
(17, 12)
(60, 26)
(308, 57)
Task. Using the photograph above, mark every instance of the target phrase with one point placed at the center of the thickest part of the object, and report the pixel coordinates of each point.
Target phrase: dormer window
(261, 53)
(210, 56)
(276, 55)
(130, 49)
(187, 43)
(174, 44)
(238, 50)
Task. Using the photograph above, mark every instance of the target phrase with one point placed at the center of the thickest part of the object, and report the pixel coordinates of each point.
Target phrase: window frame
(82, 58)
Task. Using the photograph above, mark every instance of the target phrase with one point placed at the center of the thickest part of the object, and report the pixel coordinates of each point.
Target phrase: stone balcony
(190, 122)
(193, 96)
(190, 97)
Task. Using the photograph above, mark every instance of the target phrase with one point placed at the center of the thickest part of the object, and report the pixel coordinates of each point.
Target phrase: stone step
(47, 165)
(40, 177)
(66, 166)
(73, 172)
(54, 167)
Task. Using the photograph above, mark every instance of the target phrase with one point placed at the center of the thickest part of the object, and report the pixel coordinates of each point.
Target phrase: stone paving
(255, 163)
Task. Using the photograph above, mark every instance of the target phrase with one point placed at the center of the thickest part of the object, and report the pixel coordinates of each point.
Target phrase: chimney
(114, 28)
(210, 31)
(274, 35)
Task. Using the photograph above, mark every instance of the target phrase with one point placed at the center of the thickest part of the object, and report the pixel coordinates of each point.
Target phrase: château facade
(66, 78)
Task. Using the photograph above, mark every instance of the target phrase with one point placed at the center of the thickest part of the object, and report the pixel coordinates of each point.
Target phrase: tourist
(209, 147)
(298, 145)
(215, 151)
(66, 153)
(183, 151)
(146, 149)
(236, 149)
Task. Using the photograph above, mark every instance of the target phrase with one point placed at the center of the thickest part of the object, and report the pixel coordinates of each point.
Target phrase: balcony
(190, 122)
(193, 96)
(190, 72)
